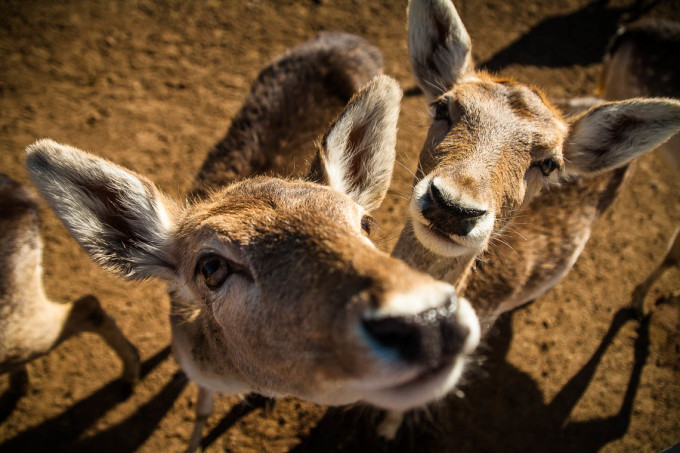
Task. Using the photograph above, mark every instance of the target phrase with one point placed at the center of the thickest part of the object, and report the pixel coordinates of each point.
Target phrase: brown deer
(31, 325)
(478, 217)
(643, 60)
(274, 284)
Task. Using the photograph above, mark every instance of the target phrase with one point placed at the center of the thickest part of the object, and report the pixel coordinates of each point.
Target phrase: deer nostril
(398, 334)
(431, 337)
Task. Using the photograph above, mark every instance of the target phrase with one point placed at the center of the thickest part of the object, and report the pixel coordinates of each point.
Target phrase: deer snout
(448, 214)
(432, 338)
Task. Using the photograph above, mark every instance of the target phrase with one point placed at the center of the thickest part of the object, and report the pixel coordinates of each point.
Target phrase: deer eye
(441, 110)
(214, 270)
(548, 166)
(368, 225)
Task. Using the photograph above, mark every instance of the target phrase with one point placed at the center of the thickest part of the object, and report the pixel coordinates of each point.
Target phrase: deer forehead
(297, 216)
(498, 122)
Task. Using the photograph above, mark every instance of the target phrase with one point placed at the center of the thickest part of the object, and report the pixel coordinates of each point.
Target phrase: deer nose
(447, 215)
(432, 337)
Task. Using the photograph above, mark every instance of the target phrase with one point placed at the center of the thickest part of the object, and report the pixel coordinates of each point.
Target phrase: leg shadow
(131, 433)
(251, 403)
(63, 430)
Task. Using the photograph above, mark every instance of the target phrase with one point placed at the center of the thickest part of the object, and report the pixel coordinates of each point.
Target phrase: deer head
(275, 285)
(494, 142)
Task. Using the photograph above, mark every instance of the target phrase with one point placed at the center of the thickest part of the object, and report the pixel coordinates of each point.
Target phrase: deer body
(31, 325)
(507, 188)
(642, 60)
(274, 284)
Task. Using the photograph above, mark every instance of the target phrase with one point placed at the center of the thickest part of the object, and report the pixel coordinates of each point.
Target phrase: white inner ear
(360, 148)
(652, 123)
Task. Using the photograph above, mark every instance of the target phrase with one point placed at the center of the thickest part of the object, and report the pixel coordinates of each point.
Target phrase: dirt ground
(153, 84)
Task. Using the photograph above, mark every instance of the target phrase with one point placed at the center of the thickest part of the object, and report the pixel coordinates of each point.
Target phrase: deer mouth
(438, 241)
(425, 387)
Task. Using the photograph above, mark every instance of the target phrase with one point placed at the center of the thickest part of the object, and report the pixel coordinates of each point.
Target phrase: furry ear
(121, 219)
(357, 154)
(612, 134)
(439, 46)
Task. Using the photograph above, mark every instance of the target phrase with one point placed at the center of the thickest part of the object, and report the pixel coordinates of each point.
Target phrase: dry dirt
(152, 85)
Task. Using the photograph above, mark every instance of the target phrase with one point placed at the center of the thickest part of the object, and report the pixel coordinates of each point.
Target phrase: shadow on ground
(552, 42)
(507, 401)
(63, 431)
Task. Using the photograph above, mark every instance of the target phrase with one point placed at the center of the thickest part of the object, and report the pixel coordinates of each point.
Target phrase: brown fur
(274, 286)
(290, 103)
(488, 153)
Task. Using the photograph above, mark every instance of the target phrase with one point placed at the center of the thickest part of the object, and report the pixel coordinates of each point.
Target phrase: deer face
(494, 143)
(303, 303)
(491, 145)
(275, 286)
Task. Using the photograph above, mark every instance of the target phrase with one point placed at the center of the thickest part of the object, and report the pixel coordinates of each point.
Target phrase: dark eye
(548, 166)
(368, 225)
(441, 110)
(214, 270)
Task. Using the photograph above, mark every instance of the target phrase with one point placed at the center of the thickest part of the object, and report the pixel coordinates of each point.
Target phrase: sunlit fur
(484, 151)
(486, 154)
(304, 282)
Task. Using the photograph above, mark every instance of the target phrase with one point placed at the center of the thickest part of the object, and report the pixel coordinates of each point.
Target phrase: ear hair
(357, 154)
(121, 219)
(439, 46)
(612, 134)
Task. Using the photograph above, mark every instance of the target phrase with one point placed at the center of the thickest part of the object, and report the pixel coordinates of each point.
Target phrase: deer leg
(204, 407)
(389, 426)
(18, 381)
(88, 315)
(671, 259)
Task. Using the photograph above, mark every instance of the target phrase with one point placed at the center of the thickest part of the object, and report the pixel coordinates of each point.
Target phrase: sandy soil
(152, 85)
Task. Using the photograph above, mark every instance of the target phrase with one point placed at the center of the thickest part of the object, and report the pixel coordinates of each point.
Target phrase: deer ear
(612, 134)
(357, 154)
(439, 46)
(121, 219)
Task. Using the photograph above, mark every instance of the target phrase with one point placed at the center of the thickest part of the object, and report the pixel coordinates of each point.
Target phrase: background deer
(31, 325)
(275, 287)
(642, 60)
(507, 189)
(494, 144)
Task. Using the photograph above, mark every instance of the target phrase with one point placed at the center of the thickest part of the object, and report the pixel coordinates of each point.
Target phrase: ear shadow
(577, 38)
(8, 402)
(63, 430)
(412, 92)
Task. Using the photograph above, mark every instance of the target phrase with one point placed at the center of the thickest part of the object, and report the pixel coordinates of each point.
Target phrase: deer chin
(449, 245)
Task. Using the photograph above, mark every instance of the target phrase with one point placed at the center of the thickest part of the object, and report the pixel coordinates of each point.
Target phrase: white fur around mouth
(438, 242)
(426, 387)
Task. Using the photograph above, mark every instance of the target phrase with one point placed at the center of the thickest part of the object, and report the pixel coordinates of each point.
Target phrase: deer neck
(453, 270)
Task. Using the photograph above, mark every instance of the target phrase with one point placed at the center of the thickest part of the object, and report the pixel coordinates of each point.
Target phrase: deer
(642, 60)
(274, 283)
(507, 188)
(31, 325)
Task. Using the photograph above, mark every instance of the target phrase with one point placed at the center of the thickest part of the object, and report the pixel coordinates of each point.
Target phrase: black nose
(446, 215)
(431, 338)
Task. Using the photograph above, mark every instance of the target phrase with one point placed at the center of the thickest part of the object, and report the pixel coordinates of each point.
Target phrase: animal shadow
(577, 38)
(502, 411)
(61, 433)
